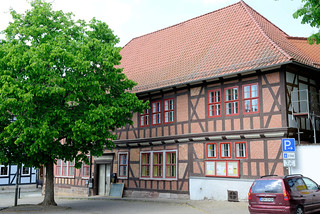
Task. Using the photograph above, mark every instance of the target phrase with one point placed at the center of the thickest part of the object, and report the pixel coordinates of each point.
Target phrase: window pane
(247, 106)
(255, 105)
(254, 91)
(235, 93)
(217, 96)
(142, 120)
(235, 107)
(228, 108)
(217, 109)
(247, 92)
(228, 94)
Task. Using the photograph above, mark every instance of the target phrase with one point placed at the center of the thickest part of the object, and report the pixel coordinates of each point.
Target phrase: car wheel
(299, 210)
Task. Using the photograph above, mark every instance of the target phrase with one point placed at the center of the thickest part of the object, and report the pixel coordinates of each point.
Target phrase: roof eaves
(216, 77)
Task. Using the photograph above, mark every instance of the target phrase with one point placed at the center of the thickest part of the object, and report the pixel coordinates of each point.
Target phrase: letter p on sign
(288, 144)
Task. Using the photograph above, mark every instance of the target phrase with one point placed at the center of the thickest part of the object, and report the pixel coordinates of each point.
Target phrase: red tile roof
(224, 42)
(313, 51)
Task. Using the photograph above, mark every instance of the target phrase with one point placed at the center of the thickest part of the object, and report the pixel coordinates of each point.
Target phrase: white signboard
(289, 162)
(289, 155)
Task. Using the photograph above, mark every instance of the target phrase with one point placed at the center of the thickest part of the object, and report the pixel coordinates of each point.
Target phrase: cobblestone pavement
(96, 205)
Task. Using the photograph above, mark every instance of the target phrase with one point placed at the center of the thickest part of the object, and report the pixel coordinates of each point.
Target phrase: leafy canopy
(310, 13)
(61, 80)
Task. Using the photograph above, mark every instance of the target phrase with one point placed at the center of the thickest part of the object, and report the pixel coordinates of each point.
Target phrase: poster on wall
(221, 168)
(210, 168)
(233, 169)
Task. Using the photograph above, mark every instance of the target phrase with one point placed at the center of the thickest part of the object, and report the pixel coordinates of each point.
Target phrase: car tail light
(249, 193)
(286, 195)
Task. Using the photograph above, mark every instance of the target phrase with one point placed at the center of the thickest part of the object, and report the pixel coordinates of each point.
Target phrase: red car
(288, 194)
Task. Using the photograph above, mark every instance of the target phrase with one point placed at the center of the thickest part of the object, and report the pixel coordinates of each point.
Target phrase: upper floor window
(4, 170)
(241, 149)
(169, 111)
(156, 113)
(123, 165)
(231, 101)
(211, 150)
(225, 150)
(144, 118)
(251, 98)
(214, 103)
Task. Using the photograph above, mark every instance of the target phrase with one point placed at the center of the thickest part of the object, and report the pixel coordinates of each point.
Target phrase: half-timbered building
(224, 88)
(8, 174)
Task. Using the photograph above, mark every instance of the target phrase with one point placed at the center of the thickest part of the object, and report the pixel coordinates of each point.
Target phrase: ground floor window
(158, 165)
(25, 170)
(123, 165)
(65, 169)
(215, 168)
(86, 169)
(4, 170)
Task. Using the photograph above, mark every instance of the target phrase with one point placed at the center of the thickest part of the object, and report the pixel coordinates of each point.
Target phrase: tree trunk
(49, 187)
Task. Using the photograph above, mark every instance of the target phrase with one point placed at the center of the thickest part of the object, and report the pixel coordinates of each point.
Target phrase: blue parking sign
(288, 145)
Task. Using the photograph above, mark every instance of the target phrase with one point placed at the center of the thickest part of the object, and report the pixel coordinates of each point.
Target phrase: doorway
(104, 179)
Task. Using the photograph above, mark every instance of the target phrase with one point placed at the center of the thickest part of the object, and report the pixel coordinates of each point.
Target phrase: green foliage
(60, 79)
(310, 13)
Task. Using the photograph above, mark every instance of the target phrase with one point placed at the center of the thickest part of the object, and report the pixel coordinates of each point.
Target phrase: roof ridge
(197, 17)
(246, 7)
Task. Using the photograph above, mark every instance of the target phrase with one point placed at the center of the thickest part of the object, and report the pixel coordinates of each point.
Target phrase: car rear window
(267, 186)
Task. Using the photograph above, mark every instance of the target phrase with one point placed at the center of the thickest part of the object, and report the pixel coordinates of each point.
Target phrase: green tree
(60, 79)
(310, 13)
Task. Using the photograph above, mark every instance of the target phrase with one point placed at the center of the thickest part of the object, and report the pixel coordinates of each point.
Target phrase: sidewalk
(97, 204)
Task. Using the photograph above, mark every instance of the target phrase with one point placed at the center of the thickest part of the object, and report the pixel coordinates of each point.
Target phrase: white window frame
(127, 165)
(3, 166)
(164, 152)
(23, 174)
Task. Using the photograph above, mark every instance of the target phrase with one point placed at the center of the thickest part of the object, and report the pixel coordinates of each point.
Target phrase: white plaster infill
(202, 188)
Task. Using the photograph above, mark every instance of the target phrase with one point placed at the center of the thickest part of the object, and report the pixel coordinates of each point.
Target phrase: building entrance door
(104, 179)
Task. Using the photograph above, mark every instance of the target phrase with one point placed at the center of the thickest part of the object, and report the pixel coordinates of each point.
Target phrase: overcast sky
(132, 18)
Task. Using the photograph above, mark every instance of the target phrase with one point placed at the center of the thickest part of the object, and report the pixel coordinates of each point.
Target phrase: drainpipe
(90, 177)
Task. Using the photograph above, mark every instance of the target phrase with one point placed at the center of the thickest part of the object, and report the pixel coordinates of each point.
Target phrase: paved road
(97, 205)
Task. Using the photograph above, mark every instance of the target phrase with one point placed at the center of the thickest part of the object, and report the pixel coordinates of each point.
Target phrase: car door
(315, 191)
(301, 193)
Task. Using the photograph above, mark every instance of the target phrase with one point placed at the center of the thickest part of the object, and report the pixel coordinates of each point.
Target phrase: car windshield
(267, 186)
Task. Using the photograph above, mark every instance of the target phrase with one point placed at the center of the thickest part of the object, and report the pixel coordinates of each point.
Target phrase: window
(65, 169)
(157, 164)
(231, 101)
(171, 164)
(25, 170)
(145, 165)
(218, 168)
(4, 170)
(214, 103)
(144, 118)
(251, 98)
(225, 150)
(211, 150)
(241, 150)
(86, 168)
(123, 165)
(58, 168)
(156, 113)
(169, 111)
(163, 165)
